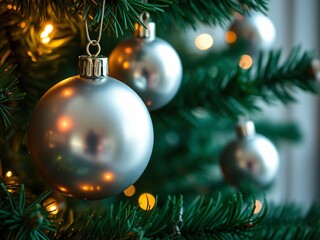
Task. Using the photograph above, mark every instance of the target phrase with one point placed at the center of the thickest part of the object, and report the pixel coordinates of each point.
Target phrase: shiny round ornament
(251, 160)
(90, 136)
(149, 65)
(251, 33)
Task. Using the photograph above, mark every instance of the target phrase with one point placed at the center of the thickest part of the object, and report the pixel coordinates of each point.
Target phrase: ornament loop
(93, 43)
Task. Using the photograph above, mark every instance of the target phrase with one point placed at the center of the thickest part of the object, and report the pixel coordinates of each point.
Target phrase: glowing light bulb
(51, 206)
(9, 174)
(258, 207)
(230, 37)
(245, 62)
(146, 201)
(130, 191)
(48, 28)
(45, 33)
(203, 41)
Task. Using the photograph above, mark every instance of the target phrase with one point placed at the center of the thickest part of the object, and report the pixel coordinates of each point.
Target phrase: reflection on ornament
(130, 191)
(146, 201)
(9, 174)
(251, 33)
(90, 136)
(245, 62)
(149, 65)
(203, 41)
(258, 207)
(250, 160)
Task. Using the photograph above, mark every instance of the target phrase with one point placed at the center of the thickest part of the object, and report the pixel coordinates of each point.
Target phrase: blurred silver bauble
(90, 136)
(251, 33)
(199, 41)
(149, 65)
(251, 160)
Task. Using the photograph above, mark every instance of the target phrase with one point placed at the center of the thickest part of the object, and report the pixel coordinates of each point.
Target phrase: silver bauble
(250, 160)
(251, 33)
(90, 136)
(149, 65)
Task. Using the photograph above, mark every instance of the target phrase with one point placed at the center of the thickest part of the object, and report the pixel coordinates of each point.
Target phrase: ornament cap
(93, 66)
(245, 129)
(145, 32)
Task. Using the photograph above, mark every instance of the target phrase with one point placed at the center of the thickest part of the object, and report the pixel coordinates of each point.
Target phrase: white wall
(297, 22)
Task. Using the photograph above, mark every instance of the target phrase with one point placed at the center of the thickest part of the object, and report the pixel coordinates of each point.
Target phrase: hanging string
(94, 42)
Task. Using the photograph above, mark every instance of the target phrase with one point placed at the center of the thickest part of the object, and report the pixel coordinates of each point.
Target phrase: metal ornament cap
(245, 129)
(90, 136)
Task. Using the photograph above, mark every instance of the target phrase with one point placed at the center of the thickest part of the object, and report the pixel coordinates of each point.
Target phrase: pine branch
(239, 92)
(21, 220)
(9, 93)
(184, 13)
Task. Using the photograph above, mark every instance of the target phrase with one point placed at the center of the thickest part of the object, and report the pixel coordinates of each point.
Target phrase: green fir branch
(240, 92)
(21, 220)
(184, 13)
(9, 93)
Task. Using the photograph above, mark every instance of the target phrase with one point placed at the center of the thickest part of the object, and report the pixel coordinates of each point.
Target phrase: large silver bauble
(252, 33)
(90, 137)
(150, 66)
(250, 161)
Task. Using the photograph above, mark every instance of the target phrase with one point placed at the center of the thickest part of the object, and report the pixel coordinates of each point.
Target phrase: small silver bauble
(251, 33)
(90, 136)
(149, 65)
(250, 159)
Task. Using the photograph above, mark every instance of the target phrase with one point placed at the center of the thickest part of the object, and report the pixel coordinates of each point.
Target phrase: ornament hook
(94, 42)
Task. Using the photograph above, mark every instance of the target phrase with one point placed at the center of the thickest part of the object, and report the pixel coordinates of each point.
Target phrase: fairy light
(146, 201)
(258, 207)
(245, 61)
(203, 41)
(230, 37)
(130, 191)
(45, 38)
(9, 174)
(51, 206)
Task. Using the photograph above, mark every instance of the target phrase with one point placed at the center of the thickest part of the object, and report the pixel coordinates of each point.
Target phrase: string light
(146, 201)
(230, 37)
(130, 191)
(9, 174)
(51, 206)
(45, 38)
(258, 207)
(203, 41)
(245, 62)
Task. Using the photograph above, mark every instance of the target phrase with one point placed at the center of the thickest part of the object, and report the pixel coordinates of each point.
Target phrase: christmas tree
(171, 154)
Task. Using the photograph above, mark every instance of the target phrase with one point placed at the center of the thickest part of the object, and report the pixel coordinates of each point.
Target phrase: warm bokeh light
(51, 206)
(146, 201)
(48, 28)
(258, 207)
(245, 62)
(130, 191)
(126, 65)
(108, 176)
(128, 50)
(203, 41)
(64, 124)
(9, 174)
(45, 33)
(63, 189)
(230, 37)
(23, 24)
(148, 103)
